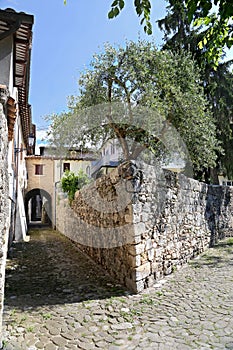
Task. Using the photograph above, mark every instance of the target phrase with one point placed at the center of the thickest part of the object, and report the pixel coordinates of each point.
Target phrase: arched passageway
(38, 206)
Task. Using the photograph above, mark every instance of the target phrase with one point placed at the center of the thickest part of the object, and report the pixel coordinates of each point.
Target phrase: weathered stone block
(142, 272)
(159, 252)
(134, 261)
(150, 281)
(151, 254)
(149, 244)
(128, 218)
(139, 228)
(163, 231)
(136, 287)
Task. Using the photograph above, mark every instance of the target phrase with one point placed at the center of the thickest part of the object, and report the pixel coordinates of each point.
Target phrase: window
(39, 169)
(66, 166)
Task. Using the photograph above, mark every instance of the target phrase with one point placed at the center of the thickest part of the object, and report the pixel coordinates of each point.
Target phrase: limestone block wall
(141, 223)
(4, 199)
(178, 219)
(101, 223)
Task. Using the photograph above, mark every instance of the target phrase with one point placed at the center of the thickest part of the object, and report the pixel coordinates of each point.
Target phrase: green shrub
(71, 183)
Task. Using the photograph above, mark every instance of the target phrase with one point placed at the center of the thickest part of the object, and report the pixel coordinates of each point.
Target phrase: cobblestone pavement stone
(57, 299)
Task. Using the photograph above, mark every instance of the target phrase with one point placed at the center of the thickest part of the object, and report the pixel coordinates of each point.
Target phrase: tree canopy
(140, 96)
(179, 35)
(213, 17)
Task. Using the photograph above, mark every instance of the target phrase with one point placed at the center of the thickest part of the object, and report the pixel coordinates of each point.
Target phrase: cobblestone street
(57, 299)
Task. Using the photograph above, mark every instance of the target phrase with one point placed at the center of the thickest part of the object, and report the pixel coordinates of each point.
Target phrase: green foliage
(168, 84)
(143, 10)
(216, 17)
(71, 183)
(139, 76)
(179, 35)
(212, 18)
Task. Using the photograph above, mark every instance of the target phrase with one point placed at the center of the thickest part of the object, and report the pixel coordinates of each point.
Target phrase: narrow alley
(58, 299)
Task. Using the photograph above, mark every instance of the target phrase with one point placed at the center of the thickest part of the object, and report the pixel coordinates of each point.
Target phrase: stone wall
(141, 223)
(101, 223)
(179, 218)
(4, 198)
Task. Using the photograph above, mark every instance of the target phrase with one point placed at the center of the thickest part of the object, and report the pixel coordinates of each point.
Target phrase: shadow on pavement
(50, 270)
(218, 255)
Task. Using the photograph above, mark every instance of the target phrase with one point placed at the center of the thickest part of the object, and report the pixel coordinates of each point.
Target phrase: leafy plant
(146, 300)
(181, 36)
(212, 18)
(138, 95)
(30, 329)
(71, 183)
(46, 316)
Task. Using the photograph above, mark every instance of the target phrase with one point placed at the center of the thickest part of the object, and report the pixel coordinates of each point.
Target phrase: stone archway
(38, 206)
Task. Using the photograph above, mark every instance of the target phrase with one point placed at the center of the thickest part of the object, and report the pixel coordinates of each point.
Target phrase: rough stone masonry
(141, 223)
(4, 196)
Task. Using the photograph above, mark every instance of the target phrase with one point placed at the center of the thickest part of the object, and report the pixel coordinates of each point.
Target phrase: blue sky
(64, 41)
(65, 37)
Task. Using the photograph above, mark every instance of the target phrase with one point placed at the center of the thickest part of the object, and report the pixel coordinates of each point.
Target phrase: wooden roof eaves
(20, 26)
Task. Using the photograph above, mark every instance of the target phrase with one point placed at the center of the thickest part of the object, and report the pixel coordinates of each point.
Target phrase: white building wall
(75, 167)
(21, 182)
(4, 199)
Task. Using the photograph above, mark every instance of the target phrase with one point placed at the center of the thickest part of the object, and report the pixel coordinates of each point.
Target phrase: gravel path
(57, 299)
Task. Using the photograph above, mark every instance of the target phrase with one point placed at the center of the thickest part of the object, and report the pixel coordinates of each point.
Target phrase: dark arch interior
(38, 207)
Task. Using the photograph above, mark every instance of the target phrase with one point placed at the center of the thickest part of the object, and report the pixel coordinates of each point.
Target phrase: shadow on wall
(218, 212)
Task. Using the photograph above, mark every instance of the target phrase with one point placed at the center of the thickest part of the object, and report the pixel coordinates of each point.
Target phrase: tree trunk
(214, 176)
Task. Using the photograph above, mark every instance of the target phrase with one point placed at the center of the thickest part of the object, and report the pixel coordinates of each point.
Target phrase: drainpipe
(55, 205)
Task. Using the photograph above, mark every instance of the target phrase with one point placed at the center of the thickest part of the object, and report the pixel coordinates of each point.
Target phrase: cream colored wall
(45, 181)
(52, 173)
(82, 164)
(75, 166)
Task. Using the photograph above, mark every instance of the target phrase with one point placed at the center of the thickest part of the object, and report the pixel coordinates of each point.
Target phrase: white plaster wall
(75, 167)
(21, 179)
(6, 62)
(4, 207)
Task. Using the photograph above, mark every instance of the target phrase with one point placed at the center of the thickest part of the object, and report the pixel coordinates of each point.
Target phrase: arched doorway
(38, 207)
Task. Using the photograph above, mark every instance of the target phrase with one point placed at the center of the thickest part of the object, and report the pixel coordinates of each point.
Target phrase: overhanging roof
(20, 26)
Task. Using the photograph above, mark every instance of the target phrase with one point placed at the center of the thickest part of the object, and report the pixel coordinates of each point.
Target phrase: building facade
(15, 128)
(44, 174)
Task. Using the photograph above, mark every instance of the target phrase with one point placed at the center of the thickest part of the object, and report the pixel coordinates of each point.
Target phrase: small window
(39, 169)
(66, 166)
